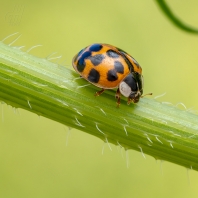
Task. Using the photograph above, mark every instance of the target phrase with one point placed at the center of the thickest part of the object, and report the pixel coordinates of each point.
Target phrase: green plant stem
(53, 91)
(175, 20)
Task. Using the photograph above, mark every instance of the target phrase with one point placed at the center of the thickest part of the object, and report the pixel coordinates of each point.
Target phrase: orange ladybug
(109, 67)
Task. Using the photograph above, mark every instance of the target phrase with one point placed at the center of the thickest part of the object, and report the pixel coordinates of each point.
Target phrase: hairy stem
(55, 92)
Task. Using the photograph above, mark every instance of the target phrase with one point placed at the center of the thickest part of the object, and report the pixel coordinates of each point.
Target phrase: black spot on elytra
(112, 75)
(95, 47)
(81, 61)
(112, 53)
(130, 66)
(119, 67)
(94, 76)
(80, 66)
(97, 59)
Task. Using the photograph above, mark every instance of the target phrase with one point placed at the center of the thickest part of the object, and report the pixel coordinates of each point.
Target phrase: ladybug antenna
(147, 94)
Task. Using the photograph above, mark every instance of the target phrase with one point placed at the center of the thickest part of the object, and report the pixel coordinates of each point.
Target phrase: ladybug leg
(117, 96)
(129, 101)
(99, 92)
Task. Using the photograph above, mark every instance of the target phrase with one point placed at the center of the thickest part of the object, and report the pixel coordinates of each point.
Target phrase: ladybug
(109, 67)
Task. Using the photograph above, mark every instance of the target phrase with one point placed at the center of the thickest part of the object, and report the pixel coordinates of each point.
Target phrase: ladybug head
(131, 87)
(134, 97)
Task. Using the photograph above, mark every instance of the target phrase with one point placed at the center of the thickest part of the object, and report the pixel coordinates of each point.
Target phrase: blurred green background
(34, 158)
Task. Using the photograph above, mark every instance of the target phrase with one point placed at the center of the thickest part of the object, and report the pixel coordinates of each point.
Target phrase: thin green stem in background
(53, 91)
(176, 21)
